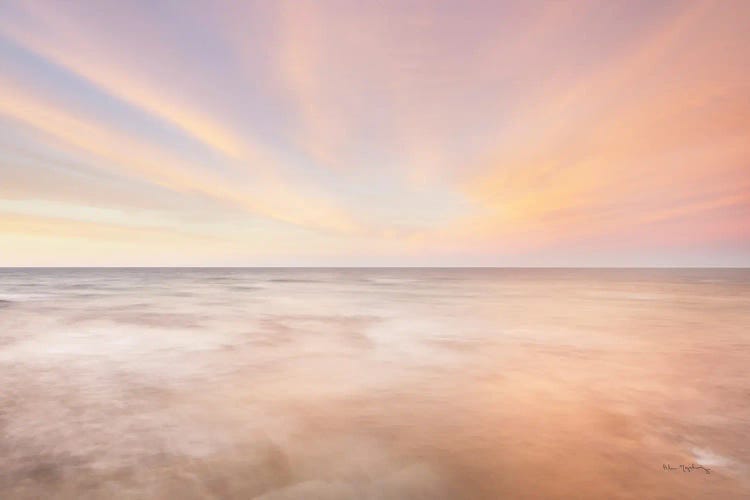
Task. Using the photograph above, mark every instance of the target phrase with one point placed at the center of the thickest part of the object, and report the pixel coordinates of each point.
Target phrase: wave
(294, 280)
(391, 281)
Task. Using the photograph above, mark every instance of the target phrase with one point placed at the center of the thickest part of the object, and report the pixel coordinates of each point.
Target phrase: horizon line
(378, 267)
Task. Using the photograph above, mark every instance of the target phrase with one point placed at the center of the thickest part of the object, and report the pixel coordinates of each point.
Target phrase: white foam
(709, 458)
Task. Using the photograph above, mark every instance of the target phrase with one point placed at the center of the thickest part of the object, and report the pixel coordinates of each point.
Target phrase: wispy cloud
(440, 132)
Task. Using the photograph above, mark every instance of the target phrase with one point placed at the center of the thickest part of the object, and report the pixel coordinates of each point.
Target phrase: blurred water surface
(374, 383)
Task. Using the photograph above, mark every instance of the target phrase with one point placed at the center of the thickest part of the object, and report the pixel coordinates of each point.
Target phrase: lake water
(374, 383)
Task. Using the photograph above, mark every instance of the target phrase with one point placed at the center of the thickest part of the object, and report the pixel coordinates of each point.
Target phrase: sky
(374, 133)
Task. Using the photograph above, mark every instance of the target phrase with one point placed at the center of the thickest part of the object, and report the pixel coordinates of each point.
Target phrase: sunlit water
(387, 384)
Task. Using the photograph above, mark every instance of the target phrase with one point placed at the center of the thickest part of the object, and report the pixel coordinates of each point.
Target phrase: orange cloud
(69, 45)
(122, 153)
(647, 141)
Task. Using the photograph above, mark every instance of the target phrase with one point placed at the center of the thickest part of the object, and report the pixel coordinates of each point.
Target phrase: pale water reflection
(390, 383)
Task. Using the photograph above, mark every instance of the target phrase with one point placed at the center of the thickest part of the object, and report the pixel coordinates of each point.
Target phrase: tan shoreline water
(365, 383)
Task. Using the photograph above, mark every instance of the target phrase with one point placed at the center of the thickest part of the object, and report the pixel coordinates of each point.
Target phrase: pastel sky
(374, 133)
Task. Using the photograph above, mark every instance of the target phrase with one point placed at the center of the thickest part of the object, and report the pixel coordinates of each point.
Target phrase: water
(387, 384)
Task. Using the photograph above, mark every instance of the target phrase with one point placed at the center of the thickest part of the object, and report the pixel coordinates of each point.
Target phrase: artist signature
(686, 468)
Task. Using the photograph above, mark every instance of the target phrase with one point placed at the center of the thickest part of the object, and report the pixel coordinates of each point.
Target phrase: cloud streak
(442, 133)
